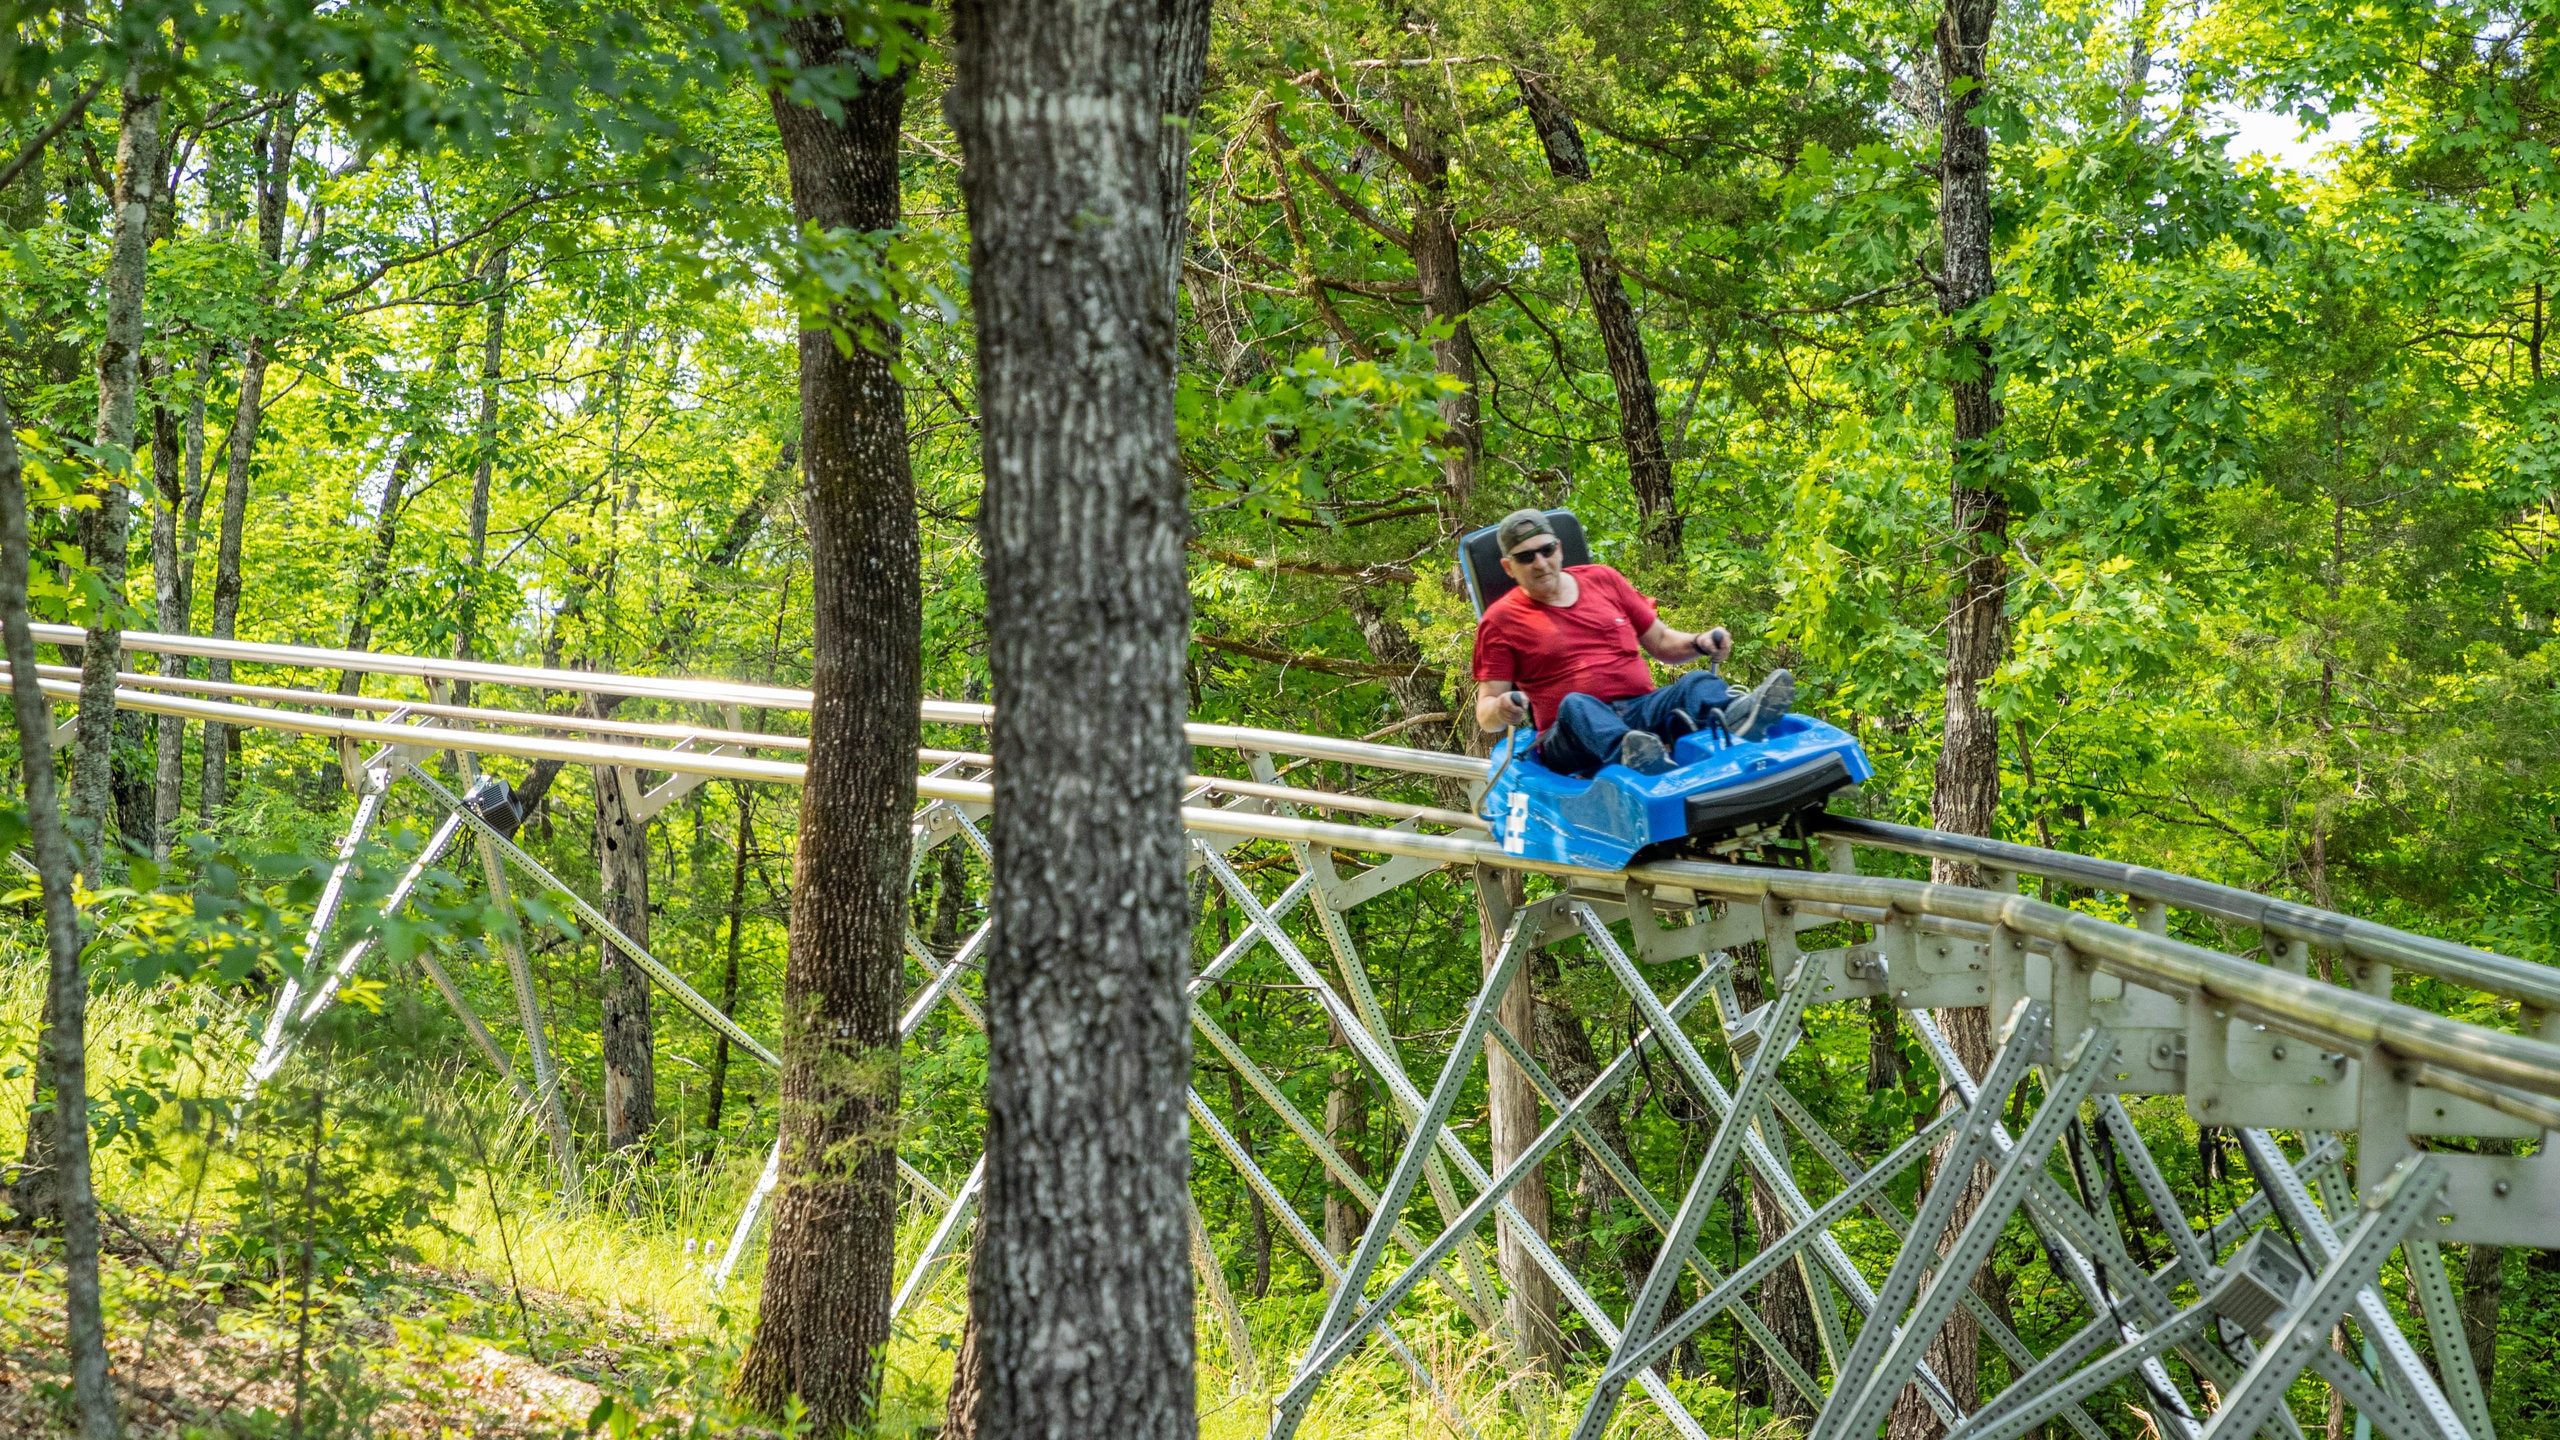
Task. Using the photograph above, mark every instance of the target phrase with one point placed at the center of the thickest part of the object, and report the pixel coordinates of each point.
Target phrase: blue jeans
(1586, 731)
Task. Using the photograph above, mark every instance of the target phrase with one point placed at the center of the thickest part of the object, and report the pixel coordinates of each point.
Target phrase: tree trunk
(1511, 1104)
(272, 157)
(484, 464)
(1621, 338)
(1785, 1307)
(729, 973)
(103, 530)
(1346, 1128)
(169, 596)
(66, 1179)
(2483, 1284)
(824, 1319)
(1564, 1047)
(375, 572)
(960, 1407)
(1082, 1285)
(1956, 1352)
(1438, 267)
(1967, 793)
(622, 869)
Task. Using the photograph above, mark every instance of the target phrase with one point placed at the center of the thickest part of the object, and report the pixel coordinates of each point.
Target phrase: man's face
(1535, 564)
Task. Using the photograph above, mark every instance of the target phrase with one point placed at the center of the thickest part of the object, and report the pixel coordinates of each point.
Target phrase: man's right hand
(1515, 707)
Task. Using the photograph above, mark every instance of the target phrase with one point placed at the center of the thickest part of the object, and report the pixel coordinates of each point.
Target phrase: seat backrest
(1480, 557)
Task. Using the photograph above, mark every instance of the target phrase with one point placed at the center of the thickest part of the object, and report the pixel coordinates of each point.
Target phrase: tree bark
(968, 1371)
(484, 462)
(823, 1324)
(1511, 1104)
(622, 870)
(1621, 337)
(1438, 266)
(1785, 1306)
(1082, 1285)
(272, 158)
(375, 572)
(2483, 1284)
(1346, 1128)
(103, 530)
(729, 973)
(66, 1179)
(1967, 793)
(169, 597)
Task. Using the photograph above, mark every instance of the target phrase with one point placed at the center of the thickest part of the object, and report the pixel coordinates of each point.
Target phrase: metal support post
(276, 1044)
(1340, 1310)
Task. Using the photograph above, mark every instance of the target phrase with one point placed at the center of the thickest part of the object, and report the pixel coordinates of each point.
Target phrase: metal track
(2096, 1009)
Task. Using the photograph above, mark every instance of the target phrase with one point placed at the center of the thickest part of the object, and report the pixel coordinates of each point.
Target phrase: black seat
(1480, 557)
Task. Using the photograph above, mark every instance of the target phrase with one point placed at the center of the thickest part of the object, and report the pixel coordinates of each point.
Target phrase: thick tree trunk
(103, 530)
(824, 1320)
(1564, 1047)
(630, 1065)
(1621, 338)
(1082, 1285)
(65, 1042)
(272, 156)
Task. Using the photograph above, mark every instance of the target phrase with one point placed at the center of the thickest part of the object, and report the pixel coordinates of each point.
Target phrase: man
(1562, 649)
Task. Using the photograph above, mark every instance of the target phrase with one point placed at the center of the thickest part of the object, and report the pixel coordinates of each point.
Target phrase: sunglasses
(1534, 554)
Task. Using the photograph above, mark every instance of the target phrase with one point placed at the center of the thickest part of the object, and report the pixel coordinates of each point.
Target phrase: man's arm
(1500, 705)
(1679, 647)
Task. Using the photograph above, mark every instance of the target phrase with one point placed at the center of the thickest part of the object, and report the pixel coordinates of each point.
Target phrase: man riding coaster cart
(1599, 764)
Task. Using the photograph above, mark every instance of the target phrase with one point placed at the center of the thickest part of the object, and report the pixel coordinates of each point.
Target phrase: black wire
(2074, 1136)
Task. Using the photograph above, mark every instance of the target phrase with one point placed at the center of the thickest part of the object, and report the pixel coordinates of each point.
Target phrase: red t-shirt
(1551, 651)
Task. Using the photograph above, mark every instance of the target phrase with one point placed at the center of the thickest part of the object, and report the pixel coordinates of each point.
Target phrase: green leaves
(1320, 431)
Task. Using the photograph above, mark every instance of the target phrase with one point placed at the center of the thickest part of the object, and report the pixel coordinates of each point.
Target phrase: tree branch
(1365, 128)
(1402, 240)
(1322, 664)
(1384, 571)
(78, 107)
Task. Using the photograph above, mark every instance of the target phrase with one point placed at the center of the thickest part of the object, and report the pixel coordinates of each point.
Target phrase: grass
(510, 1309)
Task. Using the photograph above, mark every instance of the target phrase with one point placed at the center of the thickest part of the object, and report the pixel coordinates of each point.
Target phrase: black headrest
(1480, 557)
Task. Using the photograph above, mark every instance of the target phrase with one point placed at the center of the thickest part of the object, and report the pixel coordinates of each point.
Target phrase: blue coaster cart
(1719, 794)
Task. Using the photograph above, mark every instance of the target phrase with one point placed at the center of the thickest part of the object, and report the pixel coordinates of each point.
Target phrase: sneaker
(1749, 715)
(1642, 752)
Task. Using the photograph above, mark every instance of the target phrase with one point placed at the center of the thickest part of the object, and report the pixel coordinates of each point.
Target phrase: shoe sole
(1765, 705)
(1643, 754)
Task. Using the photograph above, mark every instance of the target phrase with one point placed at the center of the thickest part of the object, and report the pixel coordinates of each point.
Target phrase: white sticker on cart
(1515, 829)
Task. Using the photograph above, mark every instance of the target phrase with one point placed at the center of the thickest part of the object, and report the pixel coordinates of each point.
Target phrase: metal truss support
(279, 1040)
(2398, 1203)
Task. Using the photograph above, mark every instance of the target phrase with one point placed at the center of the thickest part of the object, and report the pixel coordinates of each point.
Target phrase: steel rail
(2491, 1057)
(2480, 969)
(521, 719)
(2493, 1060)
(475, 672)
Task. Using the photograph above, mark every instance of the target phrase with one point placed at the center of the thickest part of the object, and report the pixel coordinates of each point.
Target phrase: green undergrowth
(455, 1291)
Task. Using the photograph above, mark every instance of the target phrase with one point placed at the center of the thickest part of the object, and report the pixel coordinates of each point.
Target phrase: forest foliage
(2279, 447)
